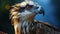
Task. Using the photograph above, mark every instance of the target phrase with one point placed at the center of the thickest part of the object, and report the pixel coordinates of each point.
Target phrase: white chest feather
(24, 15)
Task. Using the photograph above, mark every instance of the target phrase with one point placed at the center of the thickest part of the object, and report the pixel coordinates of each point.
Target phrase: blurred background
(51, 8)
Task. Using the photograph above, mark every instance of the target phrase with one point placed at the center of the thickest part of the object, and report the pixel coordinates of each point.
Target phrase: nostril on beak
(36, 7)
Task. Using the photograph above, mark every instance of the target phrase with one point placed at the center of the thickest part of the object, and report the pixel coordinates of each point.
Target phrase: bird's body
(23, 14)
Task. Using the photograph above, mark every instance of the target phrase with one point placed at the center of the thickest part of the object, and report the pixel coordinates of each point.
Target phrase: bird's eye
(28, 7)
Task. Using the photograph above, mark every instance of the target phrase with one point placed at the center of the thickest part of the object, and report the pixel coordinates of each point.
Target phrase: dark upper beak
(42, 12)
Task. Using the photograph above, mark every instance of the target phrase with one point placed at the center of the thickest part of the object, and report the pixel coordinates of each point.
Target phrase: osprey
(22, 15)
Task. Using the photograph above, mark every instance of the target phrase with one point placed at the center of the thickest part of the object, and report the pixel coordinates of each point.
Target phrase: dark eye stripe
(30, 6)
(22, 8)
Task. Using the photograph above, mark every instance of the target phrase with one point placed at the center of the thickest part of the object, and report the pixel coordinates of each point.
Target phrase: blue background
(50, 12)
